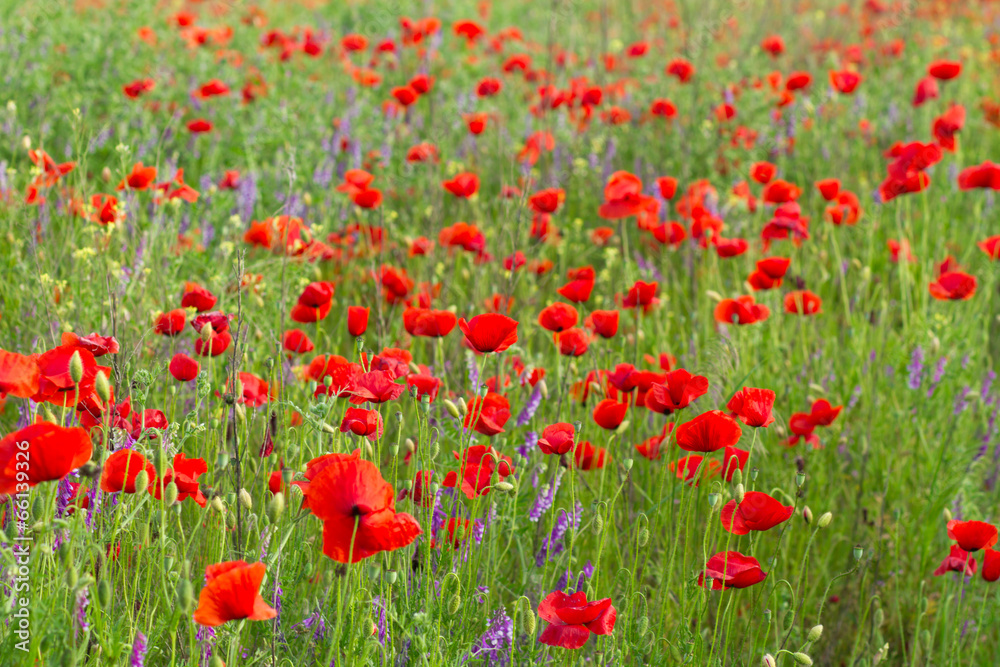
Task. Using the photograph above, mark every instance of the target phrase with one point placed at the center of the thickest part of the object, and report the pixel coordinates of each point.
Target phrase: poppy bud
(713, 500)
(72, 576)
(643, 538)
(217, 504)
(767, 616)
(800, 479)
(627, 464)
(452, 409)
(544, 388)
(221, 461)
(825, 520)
(454, 603)
(391, 576)
(207, 332)
(76, 367)
(598, 524)
(525, 616)
(947, 514)
(106, 174)
(753, 473)
(504, 487)
(802, 659)
(815, 632)
(594, 387)
(739, 493)
(245, 499)
(275, 507)
(879, 617)
(768, 661)
(568, 538)
(102, 387)
(859, 551)
(26, 142)
(399, 417)
(451, 579)
(216, 661)
(170, 494)
(393, 449)
(714, 296)
(185, 595)
(737, 474)
(807, 515)
(241, 414)
(141, 481)
(409, 444)
(64, 552)
(643, 625)
(103, 593)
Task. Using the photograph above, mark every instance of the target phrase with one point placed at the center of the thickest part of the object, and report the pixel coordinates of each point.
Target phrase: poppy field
(477, 333)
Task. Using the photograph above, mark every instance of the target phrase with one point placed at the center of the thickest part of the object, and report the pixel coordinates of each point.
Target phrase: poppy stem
(957, 635)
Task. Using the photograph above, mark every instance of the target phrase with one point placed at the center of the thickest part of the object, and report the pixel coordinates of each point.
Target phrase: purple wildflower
(916, 368)
(494, 644)
(138, 650)
(530, 408)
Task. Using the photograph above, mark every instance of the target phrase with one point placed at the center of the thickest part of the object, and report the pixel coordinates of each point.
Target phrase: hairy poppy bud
(275, 507)
(825, 520)
(643, 538)
(713, 500)
(544, 388)
(216, 661)
(241, 413)
(103, 593)
(245, 499)
(643, 625)
(463, 407)
(737, 474)
(141, 481)
(859, 551)
(452, 409)
(76, 367)
(217, 504)
(947, 514)
(768, 661)
(393, 449)
(207, 332)
(598, 524)
(102, 387)
(802, 659)
(504, 487)
(221, 461)
(170, 494)
(627, 464)
(739, 493)
(879, 618)
(807, 515)
(454, 603)
(106, 174)
(815, 632)
(525, 616)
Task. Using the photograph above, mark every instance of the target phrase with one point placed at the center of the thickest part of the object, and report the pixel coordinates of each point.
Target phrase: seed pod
(815, 632)
(245, 499)
(859, 551)
(76, 367)
(800, 479)
(825, 520)
(391, 576)
(713, 500)
(627, 464)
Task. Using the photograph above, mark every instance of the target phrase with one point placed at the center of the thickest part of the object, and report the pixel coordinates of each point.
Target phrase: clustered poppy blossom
(572, 618)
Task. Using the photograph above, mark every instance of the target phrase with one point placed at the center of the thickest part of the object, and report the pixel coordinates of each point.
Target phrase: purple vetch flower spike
(531, 407)
(984, 389)
(546, 495)
(530, 441)
(138, 656)
(494, 644)
(962, 400)
(80, 612)
(938, 374)
(916, 368)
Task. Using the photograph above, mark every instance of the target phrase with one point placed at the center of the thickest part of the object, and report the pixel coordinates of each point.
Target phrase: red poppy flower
(377, 386)
(490, 332)
(428, 323)
(985, 175)
(577, 290)
(572, 342)
(678, 389)
(359, 421)
(947, 125)
(708, 432)
(215, 346)
(106, 211)
(464, 185)
(957, 560)
(991, 247)
(357, 320)
(371, 198)
(609, 414)
(571, 619)
(798, 81)
(953, 286)
(490, 413)
(232, 592)
(822, 413)
(752, 406)
(944, 70)
(557, 438)
(19, 375)
(547, 201)
(51, 453)
(316, 294)
(780, 191)
(309, 314)
(184, 473)
(230, 180)
(140, 177)
(297, 341)
(477, 465)
(763, 172)
(604, 323)
(184, 368)
(690, 468)
(558, 317)
(199, 126)
(426, 385)
(757, 511)
(741, 310)
(55, 384)
(829, 188)
(731, 569)
(121, 469)
(680, 68)
(641, 294)
(991, 565)
(135, 89)
(488, 87)
(94, 343)
(663, 108)
(255, 391)
(802, 302)
(972, 535)
(588, 457)
(845, 82)
(358, 510)
(197, 297)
